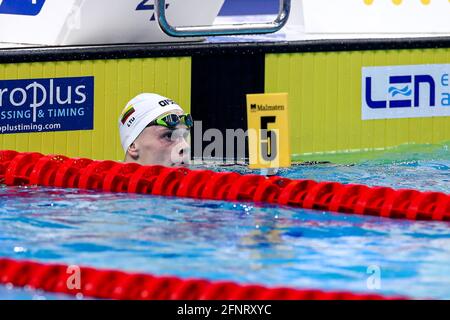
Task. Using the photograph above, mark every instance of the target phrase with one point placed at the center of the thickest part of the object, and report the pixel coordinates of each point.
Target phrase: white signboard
(376, 16)
(71, 22)
(411, 91)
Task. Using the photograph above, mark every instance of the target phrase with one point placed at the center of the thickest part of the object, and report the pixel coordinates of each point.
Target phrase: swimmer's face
(158, 145)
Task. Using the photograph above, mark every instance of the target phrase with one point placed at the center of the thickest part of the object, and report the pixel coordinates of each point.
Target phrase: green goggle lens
(173, 120)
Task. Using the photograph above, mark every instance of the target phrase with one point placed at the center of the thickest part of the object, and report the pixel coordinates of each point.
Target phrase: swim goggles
(172, 120)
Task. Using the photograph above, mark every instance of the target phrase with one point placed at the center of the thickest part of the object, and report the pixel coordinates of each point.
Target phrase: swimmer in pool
(154, 131)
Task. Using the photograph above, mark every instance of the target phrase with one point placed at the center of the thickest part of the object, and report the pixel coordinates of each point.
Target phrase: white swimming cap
(139, 112)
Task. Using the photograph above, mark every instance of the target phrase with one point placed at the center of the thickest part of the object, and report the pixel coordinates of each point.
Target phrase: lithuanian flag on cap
(127, 113)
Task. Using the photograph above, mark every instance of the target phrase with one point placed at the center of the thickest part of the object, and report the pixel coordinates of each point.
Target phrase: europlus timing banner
(46, 105)
(376, 16)
(410, 91)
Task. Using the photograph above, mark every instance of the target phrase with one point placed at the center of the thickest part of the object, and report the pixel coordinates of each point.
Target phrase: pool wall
(325, 100)
(115, 83)
(210, 80)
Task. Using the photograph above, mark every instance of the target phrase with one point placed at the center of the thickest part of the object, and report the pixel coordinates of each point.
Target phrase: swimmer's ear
(133, 151)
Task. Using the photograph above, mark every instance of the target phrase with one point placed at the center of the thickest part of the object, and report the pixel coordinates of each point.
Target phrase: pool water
(242, 242)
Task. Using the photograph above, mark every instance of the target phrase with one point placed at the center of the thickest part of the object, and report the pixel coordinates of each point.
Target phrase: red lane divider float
(112, 284)
(59, 171)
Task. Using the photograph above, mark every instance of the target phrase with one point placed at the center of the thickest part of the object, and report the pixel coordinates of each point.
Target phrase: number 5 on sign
(268, 130)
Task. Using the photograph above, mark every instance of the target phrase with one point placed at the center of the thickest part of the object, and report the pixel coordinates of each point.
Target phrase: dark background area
(249, 7)
(220, 84)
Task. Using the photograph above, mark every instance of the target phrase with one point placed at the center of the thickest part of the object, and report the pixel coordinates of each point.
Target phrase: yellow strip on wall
(116, 82)
(325, 100)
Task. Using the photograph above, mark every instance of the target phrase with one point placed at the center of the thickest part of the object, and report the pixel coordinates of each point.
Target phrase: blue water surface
(242, 242)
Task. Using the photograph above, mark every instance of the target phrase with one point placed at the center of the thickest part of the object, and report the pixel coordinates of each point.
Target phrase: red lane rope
(36, 169)
(118, 285)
